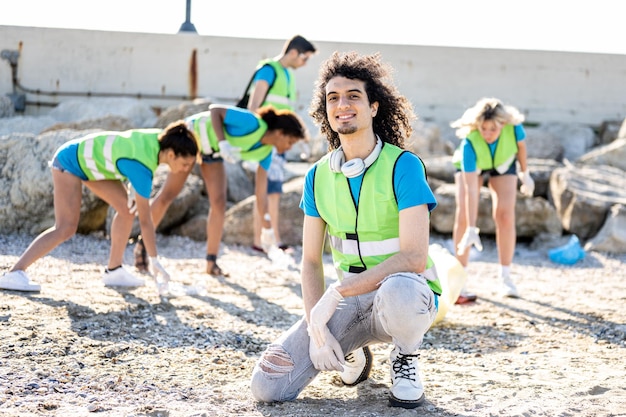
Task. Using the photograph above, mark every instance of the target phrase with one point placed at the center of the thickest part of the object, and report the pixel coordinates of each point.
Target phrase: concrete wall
(440, 81)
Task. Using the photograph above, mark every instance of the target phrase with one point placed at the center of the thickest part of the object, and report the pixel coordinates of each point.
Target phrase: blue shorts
(494, 173)
(211, 158)
(274, 187)
(56, 164)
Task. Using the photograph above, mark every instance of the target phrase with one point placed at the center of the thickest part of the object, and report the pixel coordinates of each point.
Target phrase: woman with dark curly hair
(371, 196)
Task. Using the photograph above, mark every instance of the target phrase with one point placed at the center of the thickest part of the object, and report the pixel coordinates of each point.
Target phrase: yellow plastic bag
(452, 276)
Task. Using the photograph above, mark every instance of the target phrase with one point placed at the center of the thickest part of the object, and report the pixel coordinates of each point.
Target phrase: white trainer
(357, 367)
(18, 281)
(121, 278)
(407, 390)
(507, 288)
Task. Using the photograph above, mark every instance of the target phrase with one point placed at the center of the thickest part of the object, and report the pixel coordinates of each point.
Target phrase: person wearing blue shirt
(273, 83)
(372, 198)
(227, 133)
(103, 162)
(492, 141)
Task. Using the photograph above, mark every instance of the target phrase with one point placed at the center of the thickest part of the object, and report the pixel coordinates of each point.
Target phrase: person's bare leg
(214, 176)
(114, 193)
(256, 224)
(273, 206)
(67, 201)
(460, 218)
(503, 195)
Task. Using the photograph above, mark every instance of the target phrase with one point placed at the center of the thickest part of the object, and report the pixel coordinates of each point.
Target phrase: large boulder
(27, 203)
(582, 196)
(612, 237)
(613, 154)
(238, 225)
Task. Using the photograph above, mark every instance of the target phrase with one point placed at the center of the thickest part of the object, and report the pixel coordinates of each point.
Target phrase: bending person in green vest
(274, 83)
(102, 162)
(492, 141)
(372, 198)
(227, 133)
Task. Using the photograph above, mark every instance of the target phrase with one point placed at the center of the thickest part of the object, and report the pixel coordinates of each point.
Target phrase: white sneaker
(407, 390)
(507, 288)
(121, 278)
(357, 367)
(18, 281)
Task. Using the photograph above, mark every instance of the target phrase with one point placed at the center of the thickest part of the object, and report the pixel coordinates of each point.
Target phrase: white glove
(229, 152)
(267, 239)
(322, 312)
(470, 238)
(528, 184)
(132, 202)
(328, 357)
(157, 269)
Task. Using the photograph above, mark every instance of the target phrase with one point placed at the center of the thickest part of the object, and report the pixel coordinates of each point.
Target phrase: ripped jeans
(399, 312)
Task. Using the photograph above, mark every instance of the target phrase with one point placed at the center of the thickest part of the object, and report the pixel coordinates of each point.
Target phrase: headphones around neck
(354, 167)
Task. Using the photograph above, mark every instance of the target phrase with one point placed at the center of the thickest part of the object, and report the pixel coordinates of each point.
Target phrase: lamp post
(187, 26)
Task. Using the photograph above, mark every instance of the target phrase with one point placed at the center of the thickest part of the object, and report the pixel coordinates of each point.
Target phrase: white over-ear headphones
(354, 167)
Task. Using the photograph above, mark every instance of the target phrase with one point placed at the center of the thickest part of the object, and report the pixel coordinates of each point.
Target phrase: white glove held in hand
(267, 239)
(470, 238)
(328, 357)
(132, 202)
(157, 269)
(229, 152)
(528, 184)
(321, 313)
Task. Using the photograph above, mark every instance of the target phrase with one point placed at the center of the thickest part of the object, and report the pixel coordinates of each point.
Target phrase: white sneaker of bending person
(119, 277)
(18, 281)
(507, 288)
(407, 390)
(357, 367)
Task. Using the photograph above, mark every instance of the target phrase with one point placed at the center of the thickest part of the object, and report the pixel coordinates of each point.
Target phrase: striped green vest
(202, 126)
(281, 94)
(98, 153)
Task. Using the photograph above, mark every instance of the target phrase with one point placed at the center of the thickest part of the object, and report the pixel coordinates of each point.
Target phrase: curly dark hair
(395, 112)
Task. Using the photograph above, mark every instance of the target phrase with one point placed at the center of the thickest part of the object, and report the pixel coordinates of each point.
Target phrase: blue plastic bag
(568, 254)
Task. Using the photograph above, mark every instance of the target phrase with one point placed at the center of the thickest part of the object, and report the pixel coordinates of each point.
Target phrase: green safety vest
(202, 126)
(282, 93)
(98, 153)
(360, 237)
(506, 151)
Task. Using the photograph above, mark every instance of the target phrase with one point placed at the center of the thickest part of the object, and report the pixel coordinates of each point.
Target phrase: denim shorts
(494, 173)
(56, 164)
(274, 187)
(211, 158)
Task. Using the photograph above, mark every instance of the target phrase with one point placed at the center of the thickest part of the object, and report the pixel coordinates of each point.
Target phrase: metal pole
(187, 26)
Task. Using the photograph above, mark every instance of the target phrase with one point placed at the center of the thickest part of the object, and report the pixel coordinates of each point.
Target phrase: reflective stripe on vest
(282, 93)
(275, 100)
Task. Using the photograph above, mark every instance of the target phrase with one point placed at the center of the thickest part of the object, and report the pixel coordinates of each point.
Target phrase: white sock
(505, 271)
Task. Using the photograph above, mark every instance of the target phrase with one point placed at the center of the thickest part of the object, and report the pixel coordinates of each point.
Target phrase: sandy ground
(78, 348)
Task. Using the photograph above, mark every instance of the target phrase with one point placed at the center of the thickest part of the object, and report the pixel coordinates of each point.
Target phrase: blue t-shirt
(468, 163)
(409, 183)
(268, 74)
